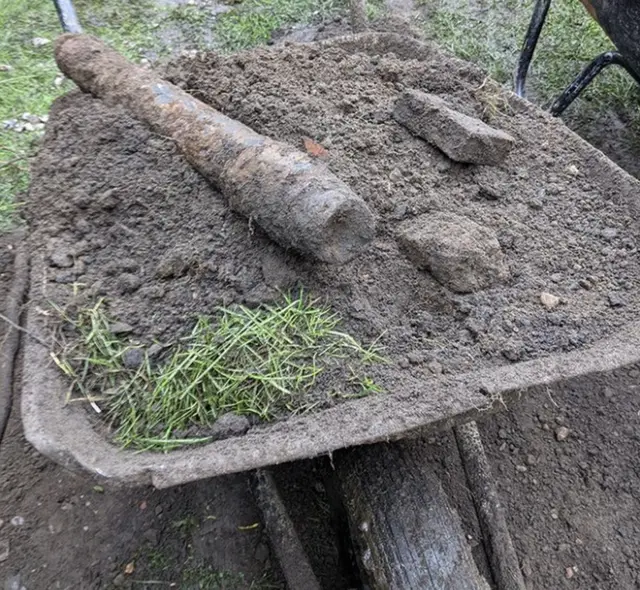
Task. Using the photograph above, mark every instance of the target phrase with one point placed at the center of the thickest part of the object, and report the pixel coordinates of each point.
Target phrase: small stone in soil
(615, 300)
(531, 460)
(133, 358)
(5, 68)
(128, 283)
(549, 301)
(562, 433)
(120, 328)
(399, 211)
(17, 521)
(61, 259)
(228, 425)
(39, 41)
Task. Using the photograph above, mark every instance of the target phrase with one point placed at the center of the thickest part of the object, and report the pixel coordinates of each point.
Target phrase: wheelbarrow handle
(529, 46)
(68, 16)
(583, 80)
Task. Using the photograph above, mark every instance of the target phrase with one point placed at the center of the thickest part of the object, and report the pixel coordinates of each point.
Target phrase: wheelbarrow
(413, 505)
(620, 19)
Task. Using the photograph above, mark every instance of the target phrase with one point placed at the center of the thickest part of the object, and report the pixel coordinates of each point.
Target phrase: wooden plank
(407, 535)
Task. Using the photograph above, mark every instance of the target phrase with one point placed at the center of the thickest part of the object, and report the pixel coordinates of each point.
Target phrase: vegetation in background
(253, 21)
(491, 32)
(262, 362)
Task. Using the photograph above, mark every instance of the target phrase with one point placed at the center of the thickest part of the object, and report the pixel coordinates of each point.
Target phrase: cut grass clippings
(255, 362)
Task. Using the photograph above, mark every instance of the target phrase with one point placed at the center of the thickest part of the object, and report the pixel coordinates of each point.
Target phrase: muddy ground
(573, 504)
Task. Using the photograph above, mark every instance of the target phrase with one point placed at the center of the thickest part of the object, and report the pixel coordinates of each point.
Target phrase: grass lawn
(490, 33)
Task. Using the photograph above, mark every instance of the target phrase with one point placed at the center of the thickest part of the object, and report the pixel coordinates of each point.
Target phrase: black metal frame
(68, 17)
(581, 81)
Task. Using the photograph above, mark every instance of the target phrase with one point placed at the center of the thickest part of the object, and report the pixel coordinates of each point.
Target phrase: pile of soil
(115, 205)
(121, 214)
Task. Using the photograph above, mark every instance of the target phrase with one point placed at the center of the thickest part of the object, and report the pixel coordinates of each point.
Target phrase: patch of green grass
(131, 27)
(491, 33)
(27, 87)
(262, 362)
(254, 21)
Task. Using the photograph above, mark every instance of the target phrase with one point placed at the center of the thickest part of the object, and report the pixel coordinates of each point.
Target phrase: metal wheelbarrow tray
(68, 436)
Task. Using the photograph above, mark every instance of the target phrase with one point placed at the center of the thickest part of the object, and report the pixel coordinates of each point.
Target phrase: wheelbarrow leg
(530, 41)
(67, 15)
(585, 78)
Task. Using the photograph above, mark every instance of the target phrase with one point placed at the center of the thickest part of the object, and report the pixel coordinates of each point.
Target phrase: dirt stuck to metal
(119, 214)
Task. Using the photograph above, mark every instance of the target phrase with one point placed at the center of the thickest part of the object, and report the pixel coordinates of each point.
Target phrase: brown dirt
(152, 236)
(75, 537)
(578, 503)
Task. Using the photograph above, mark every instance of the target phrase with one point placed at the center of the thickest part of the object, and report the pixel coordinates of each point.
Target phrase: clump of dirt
(120, 214)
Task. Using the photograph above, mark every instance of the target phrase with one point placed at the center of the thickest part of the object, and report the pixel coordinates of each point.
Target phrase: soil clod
(459, 253)
(615, 300)
(61, 258)
(230, 425)
(462, 138)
